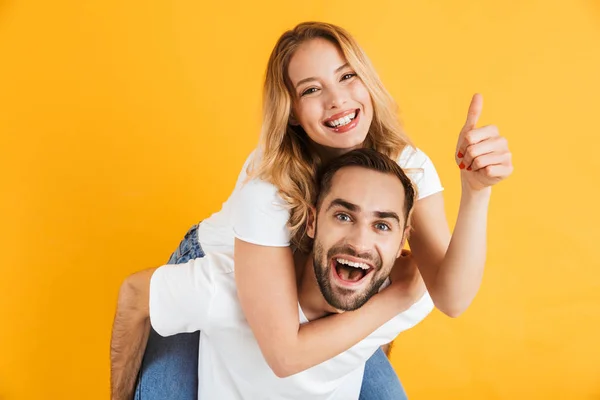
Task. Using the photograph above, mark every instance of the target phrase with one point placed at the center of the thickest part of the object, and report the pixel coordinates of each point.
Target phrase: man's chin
(342, 302)
(350, 298)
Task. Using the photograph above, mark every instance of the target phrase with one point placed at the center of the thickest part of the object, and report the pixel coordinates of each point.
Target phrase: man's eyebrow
(387, 215)
(355, 208)
(312, 78)
(343, 203)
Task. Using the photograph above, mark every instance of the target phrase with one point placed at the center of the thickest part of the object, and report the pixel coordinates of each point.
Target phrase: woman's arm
(266, 284)
(452, 268)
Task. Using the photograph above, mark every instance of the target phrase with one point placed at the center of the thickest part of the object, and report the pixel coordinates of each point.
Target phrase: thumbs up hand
(481, 153)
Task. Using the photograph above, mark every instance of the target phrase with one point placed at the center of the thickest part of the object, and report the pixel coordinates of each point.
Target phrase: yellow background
(123, 123)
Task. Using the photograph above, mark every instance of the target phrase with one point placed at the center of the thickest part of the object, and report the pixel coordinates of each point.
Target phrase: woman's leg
(380, 381)
(169, 369)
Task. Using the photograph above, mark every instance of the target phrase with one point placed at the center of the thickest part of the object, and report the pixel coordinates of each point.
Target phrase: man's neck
(312, 302)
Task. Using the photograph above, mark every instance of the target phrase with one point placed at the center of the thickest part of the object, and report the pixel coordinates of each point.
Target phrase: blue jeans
(170, 365)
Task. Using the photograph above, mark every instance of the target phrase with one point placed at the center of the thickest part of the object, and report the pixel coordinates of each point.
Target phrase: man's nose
(360, 239)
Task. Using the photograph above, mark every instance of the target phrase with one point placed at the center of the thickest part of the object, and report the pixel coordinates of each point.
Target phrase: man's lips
(348, 283)
(353, 259)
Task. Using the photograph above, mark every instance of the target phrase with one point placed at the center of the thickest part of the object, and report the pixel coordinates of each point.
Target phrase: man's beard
(340, 298)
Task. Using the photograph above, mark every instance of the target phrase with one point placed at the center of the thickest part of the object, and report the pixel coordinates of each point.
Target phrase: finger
(477, 135)
(498, 172)
(474, 137)
(487, 145)
(496, 158)
(472, 117)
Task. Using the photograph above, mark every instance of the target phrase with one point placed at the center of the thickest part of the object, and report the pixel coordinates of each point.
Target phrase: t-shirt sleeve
(415, 314)
(180, 297)
(260, 216)
(420, 169)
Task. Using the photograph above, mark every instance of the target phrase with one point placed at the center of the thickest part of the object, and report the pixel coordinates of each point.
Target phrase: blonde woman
(322, 98)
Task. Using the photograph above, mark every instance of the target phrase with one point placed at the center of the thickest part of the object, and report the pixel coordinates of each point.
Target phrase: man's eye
(309, 91)
(382, 227)
(343, 217)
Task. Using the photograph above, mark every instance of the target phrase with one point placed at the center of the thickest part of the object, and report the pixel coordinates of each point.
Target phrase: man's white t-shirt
(201, 295)
(255, 213)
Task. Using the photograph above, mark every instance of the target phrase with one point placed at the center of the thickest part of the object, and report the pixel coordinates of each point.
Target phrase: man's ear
(311, 223)
(404, 238)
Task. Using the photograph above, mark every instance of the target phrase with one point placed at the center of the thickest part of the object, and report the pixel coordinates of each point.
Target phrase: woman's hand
(481, 153)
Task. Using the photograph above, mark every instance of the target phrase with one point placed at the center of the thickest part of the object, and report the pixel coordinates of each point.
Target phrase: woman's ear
(292, 119)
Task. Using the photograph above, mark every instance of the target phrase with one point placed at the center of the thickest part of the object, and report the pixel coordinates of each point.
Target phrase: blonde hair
(286, 157)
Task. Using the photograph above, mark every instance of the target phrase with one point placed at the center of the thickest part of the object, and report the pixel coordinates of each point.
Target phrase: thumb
(474, 112)
(472, 117)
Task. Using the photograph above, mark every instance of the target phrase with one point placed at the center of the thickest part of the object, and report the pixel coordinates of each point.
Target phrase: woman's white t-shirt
(255, 213)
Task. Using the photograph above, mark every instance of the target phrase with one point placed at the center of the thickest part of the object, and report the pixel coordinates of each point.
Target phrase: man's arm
(130, 334)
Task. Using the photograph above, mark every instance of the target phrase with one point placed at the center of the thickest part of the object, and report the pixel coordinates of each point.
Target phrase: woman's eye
(382, 227)
(309, 91)
(343, 217)
(348, 76)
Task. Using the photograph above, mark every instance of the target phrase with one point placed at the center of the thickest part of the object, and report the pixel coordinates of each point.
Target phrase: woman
(322, 98)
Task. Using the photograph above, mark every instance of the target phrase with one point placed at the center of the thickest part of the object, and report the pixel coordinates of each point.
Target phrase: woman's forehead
(314, 59)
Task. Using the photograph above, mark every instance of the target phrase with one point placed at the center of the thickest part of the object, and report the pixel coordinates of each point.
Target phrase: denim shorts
(189, 248)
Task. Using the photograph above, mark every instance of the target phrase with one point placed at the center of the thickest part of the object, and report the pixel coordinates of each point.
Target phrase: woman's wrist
(475, 197)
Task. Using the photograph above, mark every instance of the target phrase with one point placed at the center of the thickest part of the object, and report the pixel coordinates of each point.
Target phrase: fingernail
(460, 155)
(462, 165)
(469, 169)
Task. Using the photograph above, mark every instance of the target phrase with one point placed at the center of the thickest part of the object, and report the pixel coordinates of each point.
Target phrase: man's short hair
(369, 159)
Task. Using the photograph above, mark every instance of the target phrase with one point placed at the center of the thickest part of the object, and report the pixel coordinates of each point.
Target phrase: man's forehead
(371, 190)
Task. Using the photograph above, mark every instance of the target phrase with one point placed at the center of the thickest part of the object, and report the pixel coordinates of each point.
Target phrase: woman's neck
(327, 154)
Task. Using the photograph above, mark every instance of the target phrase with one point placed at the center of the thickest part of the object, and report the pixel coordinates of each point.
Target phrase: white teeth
(342, 121)
(352, 264)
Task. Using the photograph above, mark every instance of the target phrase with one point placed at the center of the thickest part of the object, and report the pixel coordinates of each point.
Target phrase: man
(359, 226)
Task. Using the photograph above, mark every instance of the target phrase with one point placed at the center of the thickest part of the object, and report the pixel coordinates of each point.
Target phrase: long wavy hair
(287, 158)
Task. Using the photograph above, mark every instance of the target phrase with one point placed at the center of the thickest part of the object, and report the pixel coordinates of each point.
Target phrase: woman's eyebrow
(312, 78)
